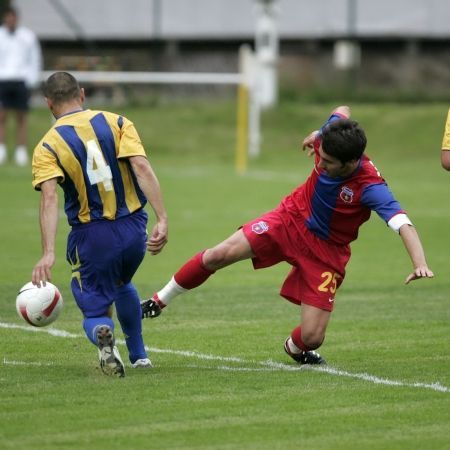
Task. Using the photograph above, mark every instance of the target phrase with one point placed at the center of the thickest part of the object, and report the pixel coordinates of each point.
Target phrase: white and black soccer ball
(39, 306)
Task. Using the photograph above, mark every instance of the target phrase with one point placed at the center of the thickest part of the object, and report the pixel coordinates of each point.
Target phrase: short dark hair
(61, 87)
(344, 139)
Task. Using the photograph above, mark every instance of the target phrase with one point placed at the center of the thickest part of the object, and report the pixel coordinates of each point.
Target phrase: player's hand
(308, 142)
(419, 272)
(42, 270)
(158, 238)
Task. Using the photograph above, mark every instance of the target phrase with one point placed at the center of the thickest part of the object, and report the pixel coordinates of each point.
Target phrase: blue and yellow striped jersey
(88, 152)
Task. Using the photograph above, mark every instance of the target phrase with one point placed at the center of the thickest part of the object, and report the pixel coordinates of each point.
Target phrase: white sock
(3, 153)
(21, 155)
(293, 348)
(169, 291)
(22, 148)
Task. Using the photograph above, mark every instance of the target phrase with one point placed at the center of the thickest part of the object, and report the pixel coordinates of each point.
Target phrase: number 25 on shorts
(330, 282)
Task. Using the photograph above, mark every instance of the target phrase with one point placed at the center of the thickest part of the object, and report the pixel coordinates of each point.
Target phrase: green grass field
(221, 379)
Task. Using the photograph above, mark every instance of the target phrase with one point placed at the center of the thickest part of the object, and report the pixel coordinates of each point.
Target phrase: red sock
(296, 337)
(193, 273)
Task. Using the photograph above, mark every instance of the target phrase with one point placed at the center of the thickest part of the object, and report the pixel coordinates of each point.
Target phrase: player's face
(333, 167)
(10, 21)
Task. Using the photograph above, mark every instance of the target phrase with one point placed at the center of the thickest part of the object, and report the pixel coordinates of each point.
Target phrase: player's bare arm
(343, 110)
(445, 159)
(445, 147)
(415, 250)
(308, 142)
(149, 184)
(48, 217)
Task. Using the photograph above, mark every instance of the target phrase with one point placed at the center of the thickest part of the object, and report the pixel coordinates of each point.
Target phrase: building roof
(232, 19)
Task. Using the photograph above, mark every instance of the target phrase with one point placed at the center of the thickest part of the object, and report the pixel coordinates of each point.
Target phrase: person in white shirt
(20, 67)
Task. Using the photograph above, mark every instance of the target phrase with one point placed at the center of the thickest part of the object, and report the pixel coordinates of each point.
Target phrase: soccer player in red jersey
(311, 229)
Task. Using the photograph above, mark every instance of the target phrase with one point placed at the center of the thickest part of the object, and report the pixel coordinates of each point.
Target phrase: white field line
(8, 362)
(266, 365)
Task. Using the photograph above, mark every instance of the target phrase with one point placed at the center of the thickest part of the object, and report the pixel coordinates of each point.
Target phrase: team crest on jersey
(346, 194)
(260, 227)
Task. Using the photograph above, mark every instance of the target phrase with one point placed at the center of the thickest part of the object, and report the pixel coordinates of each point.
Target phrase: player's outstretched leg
(190, 276)
(198, 269)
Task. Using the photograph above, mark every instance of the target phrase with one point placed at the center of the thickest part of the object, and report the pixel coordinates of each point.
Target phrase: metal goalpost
(248, 110)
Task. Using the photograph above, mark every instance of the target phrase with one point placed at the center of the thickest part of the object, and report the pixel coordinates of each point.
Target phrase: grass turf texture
(54, 396)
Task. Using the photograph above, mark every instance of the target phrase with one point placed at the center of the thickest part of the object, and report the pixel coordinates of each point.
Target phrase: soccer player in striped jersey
(99, 161)
(445, 149)
(311, 229)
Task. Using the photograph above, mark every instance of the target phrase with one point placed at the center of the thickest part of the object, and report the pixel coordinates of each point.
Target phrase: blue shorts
(14, 95)
(105, 255)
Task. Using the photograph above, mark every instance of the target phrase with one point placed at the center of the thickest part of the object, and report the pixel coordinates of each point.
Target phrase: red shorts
(318, 266)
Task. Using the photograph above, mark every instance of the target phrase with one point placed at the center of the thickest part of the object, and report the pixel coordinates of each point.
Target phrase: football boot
(151, 308)
(305, 357)
(110, 361)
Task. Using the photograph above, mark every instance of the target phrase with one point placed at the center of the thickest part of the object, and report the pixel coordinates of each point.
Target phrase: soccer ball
(39, 306)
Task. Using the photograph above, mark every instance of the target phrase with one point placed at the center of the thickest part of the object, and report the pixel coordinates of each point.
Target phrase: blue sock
(128, 308)
(90, 324)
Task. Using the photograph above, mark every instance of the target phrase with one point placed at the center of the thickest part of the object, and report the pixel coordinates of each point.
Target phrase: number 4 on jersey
(97, 169)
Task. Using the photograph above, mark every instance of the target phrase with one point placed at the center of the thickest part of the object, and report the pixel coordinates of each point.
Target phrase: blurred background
(397, 50)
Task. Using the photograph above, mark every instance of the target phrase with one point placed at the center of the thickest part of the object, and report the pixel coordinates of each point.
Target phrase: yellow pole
(242, 129)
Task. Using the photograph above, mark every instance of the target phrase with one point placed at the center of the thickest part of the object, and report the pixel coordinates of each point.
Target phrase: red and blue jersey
(334, 208)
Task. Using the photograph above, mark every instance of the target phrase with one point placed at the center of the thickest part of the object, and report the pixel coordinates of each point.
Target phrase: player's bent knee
(313, 339)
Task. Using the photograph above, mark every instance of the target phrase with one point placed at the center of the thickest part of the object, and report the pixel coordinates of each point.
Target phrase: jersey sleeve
(130, 143)
(380, 199)
(45, 166)
(446, 138)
